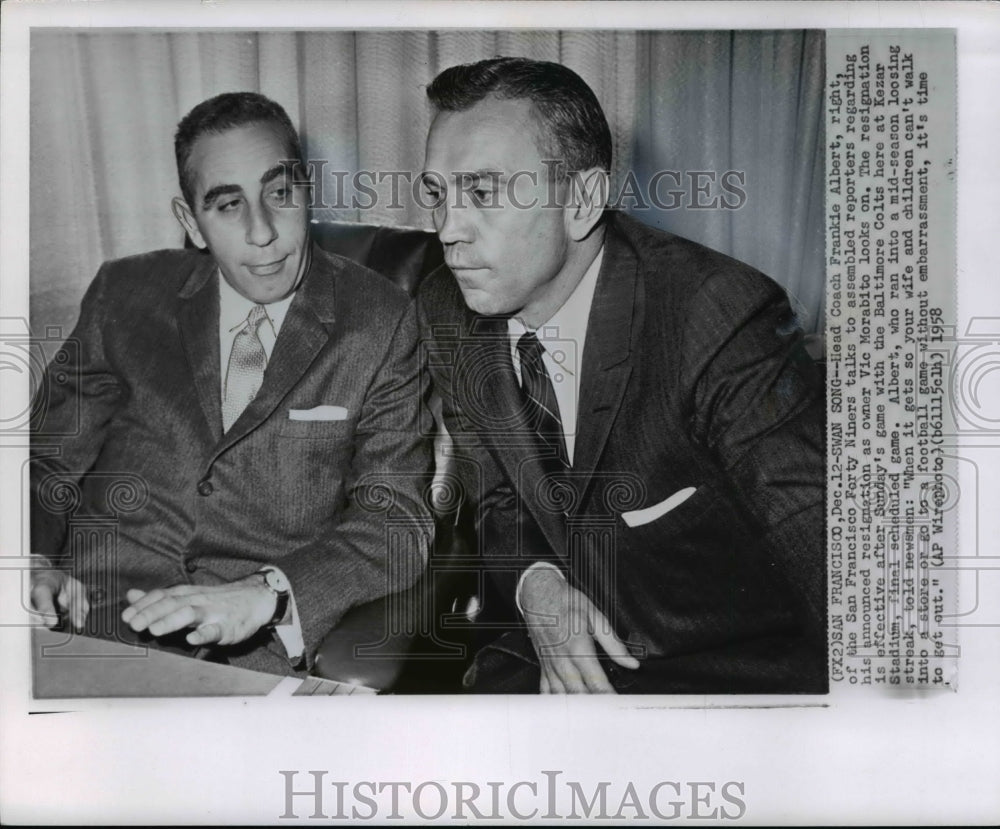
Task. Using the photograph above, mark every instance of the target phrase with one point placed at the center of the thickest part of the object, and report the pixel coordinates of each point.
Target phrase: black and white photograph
(628, 490)
(580, 395)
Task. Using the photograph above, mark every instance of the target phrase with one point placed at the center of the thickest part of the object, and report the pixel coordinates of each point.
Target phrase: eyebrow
(492, 176)
(219, 190)
(276, 171)
(432, 177)
(227, 189)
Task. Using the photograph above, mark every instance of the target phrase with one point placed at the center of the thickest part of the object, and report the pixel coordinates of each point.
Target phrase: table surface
(68, 666)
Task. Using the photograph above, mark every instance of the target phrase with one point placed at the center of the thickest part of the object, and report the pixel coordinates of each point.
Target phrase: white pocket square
(318, 413)
(638, 517)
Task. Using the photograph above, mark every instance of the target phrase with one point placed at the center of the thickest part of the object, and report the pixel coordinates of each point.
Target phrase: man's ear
(586, 195)
(184, 215)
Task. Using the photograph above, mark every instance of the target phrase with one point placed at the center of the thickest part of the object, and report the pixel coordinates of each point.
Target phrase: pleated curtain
(104, 106)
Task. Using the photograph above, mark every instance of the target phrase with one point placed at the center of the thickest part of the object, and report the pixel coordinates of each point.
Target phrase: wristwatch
(275, 581)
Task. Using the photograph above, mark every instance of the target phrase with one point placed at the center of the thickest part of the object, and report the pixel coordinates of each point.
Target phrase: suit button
(98, 595)
(190, 566)
(205, 487)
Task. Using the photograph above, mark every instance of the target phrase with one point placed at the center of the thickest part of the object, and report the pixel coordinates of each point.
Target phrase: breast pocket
(317, 455)
(329, 430)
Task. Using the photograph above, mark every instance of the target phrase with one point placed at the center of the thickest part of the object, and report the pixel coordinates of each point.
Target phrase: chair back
(405, 255)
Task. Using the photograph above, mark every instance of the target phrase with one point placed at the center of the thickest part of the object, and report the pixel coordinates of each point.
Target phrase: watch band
(281, 596)
(280, 607)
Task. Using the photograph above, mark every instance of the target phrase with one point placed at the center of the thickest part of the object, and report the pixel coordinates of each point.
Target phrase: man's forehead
(495, 134)
(248, 151)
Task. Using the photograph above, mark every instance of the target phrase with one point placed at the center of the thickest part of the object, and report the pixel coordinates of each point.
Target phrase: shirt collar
(234, 307)
(568, 325)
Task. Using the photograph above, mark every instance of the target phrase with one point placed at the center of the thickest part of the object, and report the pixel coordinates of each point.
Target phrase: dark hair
(572, 124)
(225, 112)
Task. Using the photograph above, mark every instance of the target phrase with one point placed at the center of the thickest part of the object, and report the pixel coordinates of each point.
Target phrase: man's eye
(228, 206)
(483, 197)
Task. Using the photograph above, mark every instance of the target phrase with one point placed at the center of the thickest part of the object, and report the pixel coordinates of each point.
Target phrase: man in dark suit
(247, 415)
(638, 427)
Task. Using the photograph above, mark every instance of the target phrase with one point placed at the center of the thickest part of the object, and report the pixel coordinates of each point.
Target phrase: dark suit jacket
(694, 375)
(132, 413)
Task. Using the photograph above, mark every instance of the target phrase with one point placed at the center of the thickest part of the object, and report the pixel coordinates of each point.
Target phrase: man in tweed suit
(260, 398)
(638, 426)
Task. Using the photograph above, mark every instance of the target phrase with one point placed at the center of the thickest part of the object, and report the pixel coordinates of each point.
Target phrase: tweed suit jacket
(131, 430)
(693, 376)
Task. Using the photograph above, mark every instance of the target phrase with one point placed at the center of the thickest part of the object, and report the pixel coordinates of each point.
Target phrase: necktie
(245, 372)
(543, 408)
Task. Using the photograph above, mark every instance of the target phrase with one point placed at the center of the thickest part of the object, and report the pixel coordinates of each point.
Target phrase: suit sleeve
(379, 542)
(73, 406)
(758, 405)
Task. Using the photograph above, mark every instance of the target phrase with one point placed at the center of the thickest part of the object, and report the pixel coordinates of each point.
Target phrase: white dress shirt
(563, 338)
(234, 308)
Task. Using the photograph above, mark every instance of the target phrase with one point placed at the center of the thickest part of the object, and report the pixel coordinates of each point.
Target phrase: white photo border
(919, 760)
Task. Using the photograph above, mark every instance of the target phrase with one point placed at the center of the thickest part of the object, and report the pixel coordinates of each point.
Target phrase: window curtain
(104, 106)
(750, 103)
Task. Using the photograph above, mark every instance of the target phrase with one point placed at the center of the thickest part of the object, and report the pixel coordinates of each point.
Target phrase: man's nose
(453, 223)
(260, 227)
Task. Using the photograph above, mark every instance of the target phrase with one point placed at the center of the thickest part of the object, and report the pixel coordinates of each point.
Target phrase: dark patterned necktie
(543, 408)
(245, 372)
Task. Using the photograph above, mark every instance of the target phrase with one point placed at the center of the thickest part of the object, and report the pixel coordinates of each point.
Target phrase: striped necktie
(245, 372)
(543, 408)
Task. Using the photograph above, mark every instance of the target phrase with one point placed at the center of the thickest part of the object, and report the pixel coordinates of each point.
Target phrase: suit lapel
(605, 375)
(198, 322)
(607, 349)
(304, 333)
(498, 414)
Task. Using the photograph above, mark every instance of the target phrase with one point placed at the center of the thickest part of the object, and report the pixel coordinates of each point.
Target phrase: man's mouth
(267, 269)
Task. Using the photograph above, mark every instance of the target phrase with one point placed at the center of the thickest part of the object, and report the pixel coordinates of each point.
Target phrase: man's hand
(52, 588)
(564, 624)
(223, 614)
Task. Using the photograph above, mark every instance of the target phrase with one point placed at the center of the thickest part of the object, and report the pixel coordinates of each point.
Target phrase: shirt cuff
(536, 566)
